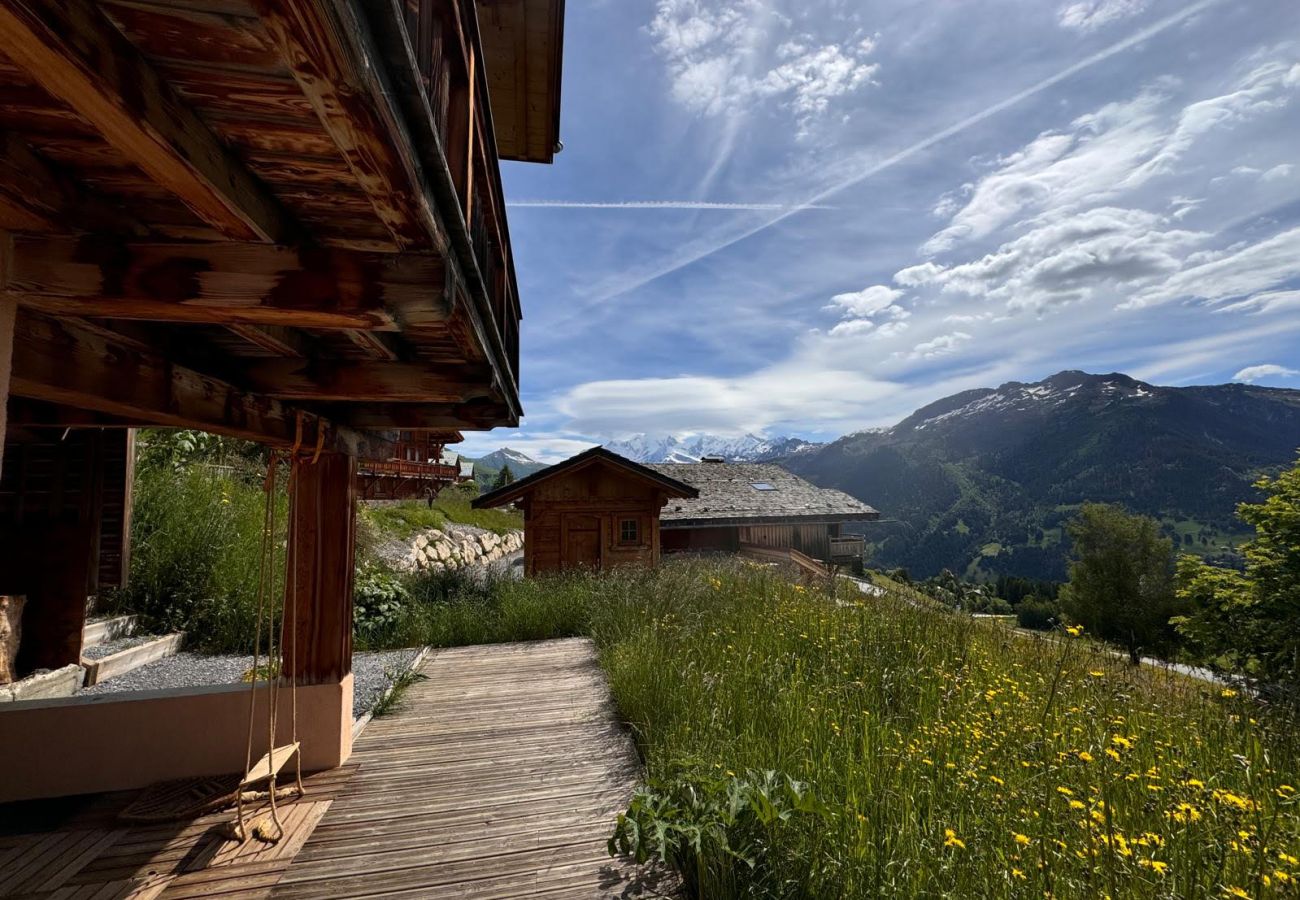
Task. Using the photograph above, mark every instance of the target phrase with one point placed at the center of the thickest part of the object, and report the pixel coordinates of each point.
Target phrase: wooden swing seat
(269, 765)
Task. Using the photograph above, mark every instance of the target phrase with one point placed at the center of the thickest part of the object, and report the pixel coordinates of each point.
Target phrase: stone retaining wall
(457, 546)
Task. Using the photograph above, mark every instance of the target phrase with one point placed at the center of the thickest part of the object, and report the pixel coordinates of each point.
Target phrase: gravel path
(370, 672)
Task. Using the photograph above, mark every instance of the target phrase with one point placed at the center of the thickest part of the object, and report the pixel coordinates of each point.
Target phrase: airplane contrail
(660, 204)
(910, 151)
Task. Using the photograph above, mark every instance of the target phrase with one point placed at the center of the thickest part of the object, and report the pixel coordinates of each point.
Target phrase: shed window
(629, 531)
(762, 486)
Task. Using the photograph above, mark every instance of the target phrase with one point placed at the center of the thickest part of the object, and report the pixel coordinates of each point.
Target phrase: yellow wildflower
(1074, 630)
(1022, 839)
(950, 839)
(1227, 693)
(1085, 756)
(1097, 673)
(1232, 891)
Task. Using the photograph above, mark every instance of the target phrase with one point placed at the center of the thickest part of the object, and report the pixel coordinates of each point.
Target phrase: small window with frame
(629, 531)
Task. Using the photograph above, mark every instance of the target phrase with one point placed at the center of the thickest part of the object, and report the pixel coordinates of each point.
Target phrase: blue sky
(813, 217)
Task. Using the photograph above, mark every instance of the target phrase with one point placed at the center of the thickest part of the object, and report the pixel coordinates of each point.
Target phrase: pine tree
(504, 477)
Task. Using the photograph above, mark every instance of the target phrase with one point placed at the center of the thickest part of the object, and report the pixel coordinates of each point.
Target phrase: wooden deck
(498, 776)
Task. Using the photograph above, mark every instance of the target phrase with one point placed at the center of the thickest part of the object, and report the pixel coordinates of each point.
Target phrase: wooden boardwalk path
(498, 776)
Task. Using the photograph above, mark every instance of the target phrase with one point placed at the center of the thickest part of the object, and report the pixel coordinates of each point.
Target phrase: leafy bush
(720, 834)
(1038, 614)
(379, 601)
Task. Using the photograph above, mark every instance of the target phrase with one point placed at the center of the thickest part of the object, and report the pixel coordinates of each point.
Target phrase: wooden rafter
(77, 55)
(227, 283)
(366, 382)
(423, 417)
(321, 45)
(277, 339)
(57, 362)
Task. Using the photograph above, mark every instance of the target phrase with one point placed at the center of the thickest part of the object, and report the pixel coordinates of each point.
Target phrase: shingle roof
(728, 497)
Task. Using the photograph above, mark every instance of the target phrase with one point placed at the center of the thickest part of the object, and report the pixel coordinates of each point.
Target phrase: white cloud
(867, 302)
(1103, 155)
(1267, 301)
(1243, 271)
(1278, 172)
(1089, 15)
(1251, 374)
(1069, 259)
(783, 393)
(722, 57)
(940, 346)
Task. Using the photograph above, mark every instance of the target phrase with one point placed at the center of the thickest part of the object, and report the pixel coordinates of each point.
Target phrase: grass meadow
(800, 747)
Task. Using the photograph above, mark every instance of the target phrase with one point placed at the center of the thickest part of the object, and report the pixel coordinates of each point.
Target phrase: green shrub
(379, 601)
(1038, 614)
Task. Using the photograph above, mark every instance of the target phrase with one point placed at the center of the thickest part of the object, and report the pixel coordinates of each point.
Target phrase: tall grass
(195, 548)
(408, 518)
(945, 757)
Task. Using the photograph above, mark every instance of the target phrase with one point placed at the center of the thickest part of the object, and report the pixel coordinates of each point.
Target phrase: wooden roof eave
(386, 26)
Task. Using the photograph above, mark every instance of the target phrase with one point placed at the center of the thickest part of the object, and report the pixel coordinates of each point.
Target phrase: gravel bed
(116, 645)
(370, 673)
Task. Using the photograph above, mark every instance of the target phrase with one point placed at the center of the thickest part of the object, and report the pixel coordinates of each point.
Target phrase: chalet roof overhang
(294, 205)
(671, 487)
(523, 41)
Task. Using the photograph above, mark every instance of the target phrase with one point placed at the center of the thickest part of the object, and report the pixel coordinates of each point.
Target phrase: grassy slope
(954, 758)
(408, 518)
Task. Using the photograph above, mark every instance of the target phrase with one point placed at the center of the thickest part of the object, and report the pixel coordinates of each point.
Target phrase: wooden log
(324, 45)
(60, 363)
(225, 283)
(80, 57)
(317, 643)
(367, 382)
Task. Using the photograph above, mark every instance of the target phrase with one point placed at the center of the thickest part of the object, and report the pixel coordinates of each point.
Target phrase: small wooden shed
(595, 510)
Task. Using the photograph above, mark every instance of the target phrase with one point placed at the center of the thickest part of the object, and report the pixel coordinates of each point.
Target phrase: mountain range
(983, 481)
(667, 448)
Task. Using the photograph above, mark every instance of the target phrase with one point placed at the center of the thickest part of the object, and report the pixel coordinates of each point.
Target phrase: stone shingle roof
(728, 497)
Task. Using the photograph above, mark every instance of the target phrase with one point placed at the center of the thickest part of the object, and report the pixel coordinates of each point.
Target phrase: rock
(11, 632)
(421, 542)
(46, 683)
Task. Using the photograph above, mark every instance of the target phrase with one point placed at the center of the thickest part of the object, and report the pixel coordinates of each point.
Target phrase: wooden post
(322, 531)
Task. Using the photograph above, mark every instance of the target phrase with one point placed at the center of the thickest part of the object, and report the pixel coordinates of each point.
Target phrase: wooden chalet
(278, 220)
(420, 466)
(595, 510)
(741, 506)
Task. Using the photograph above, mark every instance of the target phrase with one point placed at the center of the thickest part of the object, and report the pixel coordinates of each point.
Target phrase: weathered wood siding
(561, 513)
(813, 540)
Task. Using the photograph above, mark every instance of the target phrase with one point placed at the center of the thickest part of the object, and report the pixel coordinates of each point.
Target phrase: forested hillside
(981, 482)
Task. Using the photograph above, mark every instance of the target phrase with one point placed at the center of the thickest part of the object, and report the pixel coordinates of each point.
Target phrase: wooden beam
(324, 46)
(374, 343)
(277, 339)
(39, 414)
(366, 382)
(80, 57)
(227, 283)
(35, 195)
(475, 416)
(317, 644)
(59, 363)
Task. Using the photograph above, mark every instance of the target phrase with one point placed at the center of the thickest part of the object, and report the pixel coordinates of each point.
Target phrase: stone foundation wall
(458, 546)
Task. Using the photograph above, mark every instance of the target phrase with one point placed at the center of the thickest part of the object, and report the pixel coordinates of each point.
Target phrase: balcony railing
(448, 54)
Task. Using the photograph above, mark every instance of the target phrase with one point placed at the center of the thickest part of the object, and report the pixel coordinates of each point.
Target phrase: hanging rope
(277, 659)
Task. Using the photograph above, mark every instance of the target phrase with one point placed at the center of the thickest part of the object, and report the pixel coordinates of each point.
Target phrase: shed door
(581, 542)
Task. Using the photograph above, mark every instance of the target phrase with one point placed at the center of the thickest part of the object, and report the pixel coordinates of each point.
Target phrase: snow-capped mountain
(655, 448)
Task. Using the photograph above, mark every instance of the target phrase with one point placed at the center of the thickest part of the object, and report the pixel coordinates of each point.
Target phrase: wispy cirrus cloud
(661, 204)
(1251, 374)
(1090, 15)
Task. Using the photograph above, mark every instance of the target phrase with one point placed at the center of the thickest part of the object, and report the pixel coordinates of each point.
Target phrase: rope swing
(269, 766)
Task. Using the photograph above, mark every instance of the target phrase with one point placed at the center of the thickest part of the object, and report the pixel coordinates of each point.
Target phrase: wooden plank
(81, 58)
(8, 318)
(127, 660)
(279, 340)
(323, 46)
(360, 381)
(60, 363)
(224, 282)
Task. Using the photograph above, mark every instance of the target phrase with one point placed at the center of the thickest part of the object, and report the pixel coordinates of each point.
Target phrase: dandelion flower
(1022, 839)
(950, 839)
(1074, 630)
